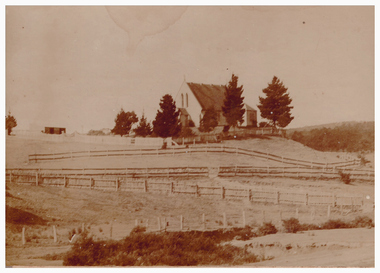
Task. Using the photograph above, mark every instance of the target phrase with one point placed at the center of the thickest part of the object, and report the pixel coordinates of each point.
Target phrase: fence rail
(189, 150)
(126, 183)
(222, 171)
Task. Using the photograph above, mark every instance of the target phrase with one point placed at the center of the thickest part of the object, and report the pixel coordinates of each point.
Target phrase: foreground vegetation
(185, 248)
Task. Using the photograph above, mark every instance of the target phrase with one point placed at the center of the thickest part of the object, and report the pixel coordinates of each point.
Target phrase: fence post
(183, 141)
(64, 181)
(196, 190)
(306, 199)
(54, 234)
(117, 184)
(328, 211)
(159, 223)
(352, 204)
(333, 200)
(171, 188)
(203, 222)
(23, 235)
(277, 198)
(91, 185)
(244, 222)
(249, 194)
(222, 192)
(263, 215)
(181, 222)
(36, 178)
(280, 215)
(136, 222)
(224, 220)
(145, 186)
(296, 213)
(111, 229)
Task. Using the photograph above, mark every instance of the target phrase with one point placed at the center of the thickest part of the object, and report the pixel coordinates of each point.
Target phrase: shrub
(362, 221)
(191, 123)
(291, 225)
(334, 224)
(345, 177)
(171, 248)
(138, 229)
(267, 228)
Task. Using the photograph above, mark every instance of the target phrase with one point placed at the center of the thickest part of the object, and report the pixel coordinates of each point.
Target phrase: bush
(267, 228)
(191, 123)
(291, 225)
(362, 221)
(334, 224)
(171, 248)
(138, 229)
(345, 177)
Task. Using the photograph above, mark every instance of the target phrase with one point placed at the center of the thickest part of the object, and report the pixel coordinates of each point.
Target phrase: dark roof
(209, 95)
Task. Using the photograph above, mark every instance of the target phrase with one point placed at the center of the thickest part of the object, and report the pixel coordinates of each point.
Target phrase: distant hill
(343, 136)
(331, 126)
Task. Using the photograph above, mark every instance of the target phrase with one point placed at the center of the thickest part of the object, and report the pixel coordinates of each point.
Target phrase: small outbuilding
(55, 130)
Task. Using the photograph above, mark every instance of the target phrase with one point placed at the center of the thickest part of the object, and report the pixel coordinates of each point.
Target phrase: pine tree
(10, 123)
(124, 122)
(233, 103)
(143, 129)
(167, 123)
(276, 105)
(209, 120)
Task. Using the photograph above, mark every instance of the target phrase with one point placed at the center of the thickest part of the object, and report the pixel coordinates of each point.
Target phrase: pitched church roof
(210, 95)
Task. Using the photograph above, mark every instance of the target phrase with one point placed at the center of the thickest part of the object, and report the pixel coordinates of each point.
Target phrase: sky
(77, 66)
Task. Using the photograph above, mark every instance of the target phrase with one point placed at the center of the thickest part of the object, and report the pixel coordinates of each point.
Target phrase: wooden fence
(188, 151)
(294, 172)
(143, 184)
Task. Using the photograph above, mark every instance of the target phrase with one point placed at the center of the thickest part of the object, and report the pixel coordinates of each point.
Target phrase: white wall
(194, 109)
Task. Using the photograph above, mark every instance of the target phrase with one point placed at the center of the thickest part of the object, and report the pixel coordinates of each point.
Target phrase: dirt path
(319, 248)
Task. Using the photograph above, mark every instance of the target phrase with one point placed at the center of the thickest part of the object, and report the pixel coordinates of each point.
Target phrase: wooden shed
(55, 130)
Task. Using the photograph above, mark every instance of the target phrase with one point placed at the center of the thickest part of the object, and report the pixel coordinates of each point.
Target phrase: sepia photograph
(206, 136)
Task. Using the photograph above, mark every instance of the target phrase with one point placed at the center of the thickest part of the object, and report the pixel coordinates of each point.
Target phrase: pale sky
(76, 67)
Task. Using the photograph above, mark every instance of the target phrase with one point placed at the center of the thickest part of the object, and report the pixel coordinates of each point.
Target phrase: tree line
(275, 107)
(354, 137)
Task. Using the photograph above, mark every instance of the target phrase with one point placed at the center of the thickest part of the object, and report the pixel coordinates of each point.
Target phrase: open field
(107, 214)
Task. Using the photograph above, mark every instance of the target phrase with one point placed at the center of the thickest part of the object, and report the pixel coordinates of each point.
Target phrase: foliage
(334, 224)
(267, 228)
(10, 122)
(138, 229)
(144, 128)
(276, 105)
(171, 248)
(191, 123)
(209, 120)
(264, 124)
(354, 137)
(167, 123)
(291, 225)
(233, 103)
(363, 221)
(186, 132)
(345, 177)
(124, 122)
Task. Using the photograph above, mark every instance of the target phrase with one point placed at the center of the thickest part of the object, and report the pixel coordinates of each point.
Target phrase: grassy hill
(346, 136)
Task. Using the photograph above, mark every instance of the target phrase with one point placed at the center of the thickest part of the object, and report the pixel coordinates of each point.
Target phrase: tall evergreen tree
(209, 120)
(276, 105)
(233, 103)
(143, 129)
(124, 122)
(167, 123)
(10, 122)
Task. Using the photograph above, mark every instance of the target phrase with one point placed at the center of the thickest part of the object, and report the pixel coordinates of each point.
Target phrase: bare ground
(70, 208)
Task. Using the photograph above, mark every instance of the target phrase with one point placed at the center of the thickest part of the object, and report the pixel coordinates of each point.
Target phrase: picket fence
(156, 185)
